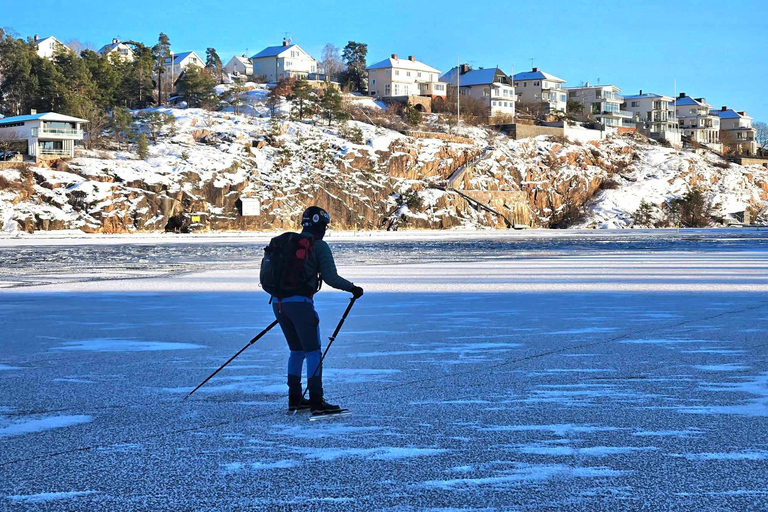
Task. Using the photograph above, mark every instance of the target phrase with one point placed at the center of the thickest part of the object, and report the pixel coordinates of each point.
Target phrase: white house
(654, 115)
(697, 122)
(287, 60)
(491, 85)
(119, 50)
(600, 103)
(47, 135)
(181, 61)
(539, 87)
(398, 78)
(239, 66)
(48, 46)
(736, 132)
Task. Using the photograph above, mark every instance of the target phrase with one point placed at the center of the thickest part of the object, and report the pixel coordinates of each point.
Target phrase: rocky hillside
(367, 178)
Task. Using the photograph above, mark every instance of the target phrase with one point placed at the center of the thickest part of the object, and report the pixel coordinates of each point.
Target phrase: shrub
(412, 115)
(352, 133)
(185, 155)
(643, 216)
(142, 147)
(559, 139)
(722, 164)
(609, 183)
(693, 210)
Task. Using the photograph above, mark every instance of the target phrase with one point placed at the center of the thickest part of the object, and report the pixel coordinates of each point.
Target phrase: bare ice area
(575, 371)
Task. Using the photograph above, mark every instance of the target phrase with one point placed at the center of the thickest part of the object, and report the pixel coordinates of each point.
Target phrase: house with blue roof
(179, 62)
(274, 63)
(47, 136)
(736, 132)
(117, 50)
(48, 47)
(538, 90)
(696, 121)
(489, 85)
(407, 80)
(654, 116)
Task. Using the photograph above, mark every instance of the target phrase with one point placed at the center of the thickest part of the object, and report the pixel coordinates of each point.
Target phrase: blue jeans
(301, 326)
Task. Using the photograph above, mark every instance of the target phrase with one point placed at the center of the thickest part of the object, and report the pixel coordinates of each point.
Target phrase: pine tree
(120, 124)
(196, 86)
(331, 105)
(142, 147)
(213, 64)
(161, 52)
(301, 96)
(355, 75)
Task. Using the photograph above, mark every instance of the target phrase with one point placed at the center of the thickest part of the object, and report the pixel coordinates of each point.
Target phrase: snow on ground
(570, 374)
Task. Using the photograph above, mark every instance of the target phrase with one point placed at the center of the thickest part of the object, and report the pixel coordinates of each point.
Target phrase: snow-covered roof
(536, 74)
(110, 47)
(179, 57)
(40, 41)
(687, 100)
(646, 95)
(588, 86)
(472, 77)
(242, 60)
(46, 116)
(273, 51)
(728, 113)
(403, 64)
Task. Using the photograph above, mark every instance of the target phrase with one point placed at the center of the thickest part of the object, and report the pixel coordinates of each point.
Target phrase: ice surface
(568, 371)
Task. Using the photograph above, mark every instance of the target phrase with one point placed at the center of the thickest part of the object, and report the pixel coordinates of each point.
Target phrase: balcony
(56, 152)
(61, 132)
(618, 113)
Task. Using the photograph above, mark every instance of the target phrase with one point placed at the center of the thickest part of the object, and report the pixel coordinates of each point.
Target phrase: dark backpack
(284, 269)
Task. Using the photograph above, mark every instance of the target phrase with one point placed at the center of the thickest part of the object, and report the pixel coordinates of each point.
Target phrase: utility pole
(458, 94)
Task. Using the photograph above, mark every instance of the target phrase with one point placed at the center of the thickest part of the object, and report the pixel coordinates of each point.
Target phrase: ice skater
(294, 267)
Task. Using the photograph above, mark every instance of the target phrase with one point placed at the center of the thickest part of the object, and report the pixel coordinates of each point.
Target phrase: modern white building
(736, 132)
(180, 62)
(654, 115)
(541, 88)
(48, 135)
(239, 66)
(490, 85)
(696, 121)
(398, 78)
(287, 60)
(600, 104)
(48, 46)
(118, 50)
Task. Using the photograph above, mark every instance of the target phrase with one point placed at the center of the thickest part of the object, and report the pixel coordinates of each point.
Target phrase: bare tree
(331, 61)
(762, 133)
(78, 47)
(9, 140)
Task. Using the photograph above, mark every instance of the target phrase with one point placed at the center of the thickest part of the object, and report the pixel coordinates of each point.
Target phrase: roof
(646, 95)
(416, 65)
(110, 47)
(243, 60)
(599, 86)
(727, 114)
(686, 100)
(537, 75)
(46, 116)
(273, 51)
(47, 38)
(179, 57)
(472, 77)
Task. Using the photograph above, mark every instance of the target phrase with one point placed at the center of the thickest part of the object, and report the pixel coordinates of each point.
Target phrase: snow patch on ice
(380, 453)
(526, 473)
(48, 496)
(120, 345)
(745, 455)
(20, 428)
(238, 467)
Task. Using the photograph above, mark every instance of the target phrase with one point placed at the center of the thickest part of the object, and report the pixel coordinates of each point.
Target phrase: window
(386, 90)
(407, 73)
(635, 104)
(397, 89)
(572, 94)
(397, 72)
(418, 74)
(373, 82)
(562, 98)
(525, 84)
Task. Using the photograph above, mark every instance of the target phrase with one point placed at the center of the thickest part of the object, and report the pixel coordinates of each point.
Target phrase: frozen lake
(575, 371)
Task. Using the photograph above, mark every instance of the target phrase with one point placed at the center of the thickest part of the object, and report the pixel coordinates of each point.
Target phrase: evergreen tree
(301, 96)
(120, 124)
(161, 52)
(331, 105)
(213, 64)
(354, 55)
(196, 86)
(142, 148)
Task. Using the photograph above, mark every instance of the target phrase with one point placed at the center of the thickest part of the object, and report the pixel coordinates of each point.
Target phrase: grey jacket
(321, 262)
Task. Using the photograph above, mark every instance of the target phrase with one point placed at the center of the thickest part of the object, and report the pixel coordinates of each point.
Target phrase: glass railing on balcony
(618, 113)
(49, 151)
(36, 132)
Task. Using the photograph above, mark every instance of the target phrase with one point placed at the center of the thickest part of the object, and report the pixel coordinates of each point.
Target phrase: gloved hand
(357, 292)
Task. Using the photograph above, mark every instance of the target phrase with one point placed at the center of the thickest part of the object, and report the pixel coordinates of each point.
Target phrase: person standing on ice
(294, 267)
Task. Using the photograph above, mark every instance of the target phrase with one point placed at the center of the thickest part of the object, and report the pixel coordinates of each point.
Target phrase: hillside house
(599, 104)
(540, 89)
(48, 135)
(736, 132)
(239, 66)
(48, 46)
(654, 116)
(407, 80)
(118, 50)
(490, 85)
(179, 62)
(287, 60)
(696, 121)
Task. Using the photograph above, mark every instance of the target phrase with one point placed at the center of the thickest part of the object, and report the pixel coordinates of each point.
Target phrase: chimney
(412, 58)
(682, 95)
(641, 92)
(114, 41)
(701, 100)
(32, 112)
(464, 69)
(394, 56)
(743, 113)
(535, 70)
(586, 84)
(285, 42)
(37, 37)
(723, 108)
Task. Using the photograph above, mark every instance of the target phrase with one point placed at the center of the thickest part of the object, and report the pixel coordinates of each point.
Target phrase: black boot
(319, 406)
(296, 400)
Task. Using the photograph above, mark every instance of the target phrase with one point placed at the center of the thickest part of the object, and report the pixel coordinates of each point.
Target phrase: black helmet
(315, 216)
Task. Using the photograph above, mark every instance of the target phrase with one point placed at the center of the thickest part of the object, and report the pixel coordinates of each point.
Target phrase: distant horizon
(590, 42)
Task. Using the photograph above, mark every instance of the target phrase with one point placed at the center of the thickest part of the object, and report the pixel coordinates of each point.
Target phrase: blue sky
(715, 49)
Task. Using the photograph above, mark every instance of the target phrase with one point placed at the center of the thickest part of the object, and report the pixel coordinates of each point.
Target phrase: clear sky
(715, 49)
